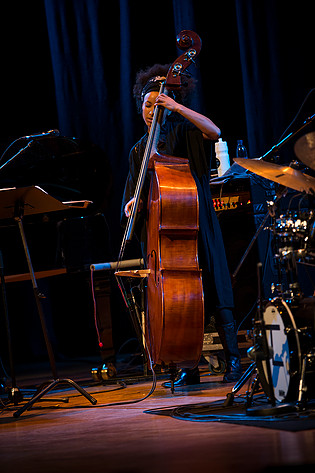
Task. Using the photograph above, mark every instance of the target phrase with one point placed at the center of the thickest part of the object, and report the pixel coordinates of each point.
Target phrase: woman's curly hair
(144, 75)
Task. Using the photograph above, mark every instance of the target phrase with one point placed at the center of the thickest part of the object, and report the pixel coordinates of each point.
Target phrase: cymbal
(284, 175)
(304, 149)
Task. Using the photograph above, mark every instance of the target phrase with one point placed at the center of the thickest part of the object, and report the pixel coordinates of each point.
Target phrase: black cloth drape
(71, 65)
(96, 49)
(275, 44)
(254, 70)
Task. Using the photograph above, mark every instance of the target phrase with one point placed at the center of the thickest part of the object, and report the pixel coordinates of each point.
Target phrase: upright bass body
(175, 303)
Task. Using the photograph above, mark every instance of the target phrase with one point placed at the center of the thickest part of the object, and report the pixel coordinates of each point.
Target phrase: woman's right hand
(129, 205)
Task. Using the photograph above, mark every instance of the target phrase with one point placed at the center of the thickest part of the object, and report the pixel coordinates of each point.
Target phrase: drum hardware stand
(301, 402)
(257, 353)
(263, 352)
(29, 201)
(240, 383)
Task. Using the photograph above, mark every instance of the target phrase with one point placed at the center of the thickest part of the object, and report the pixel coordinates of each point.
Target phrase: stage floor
(76, 436)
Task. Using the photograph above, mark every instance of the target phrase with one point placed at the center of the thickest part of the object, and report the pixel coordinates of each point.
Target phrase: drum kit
(283, 354)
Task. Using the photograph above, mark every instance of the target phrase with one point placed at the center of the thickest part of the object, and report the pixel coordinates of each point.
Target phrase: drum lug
(310, 357)
(276, 289)
(293, 373)
(288, 330)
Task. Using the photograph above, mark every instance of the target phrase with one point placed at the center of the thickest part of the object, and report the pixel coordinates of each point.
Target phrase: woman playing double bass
(182, 135)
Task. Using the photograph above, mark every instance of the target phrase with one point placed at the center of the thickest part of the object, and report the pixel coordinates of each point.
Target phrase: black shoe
(233, 371)
(184, 378)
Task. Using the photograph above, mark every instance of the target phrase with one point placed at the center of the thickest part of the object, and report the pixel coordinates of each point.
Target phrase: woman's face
(148, 108)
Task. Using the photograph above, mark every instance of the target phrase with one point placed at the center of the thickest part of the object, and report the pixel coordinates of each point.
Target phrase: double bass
(174, 315)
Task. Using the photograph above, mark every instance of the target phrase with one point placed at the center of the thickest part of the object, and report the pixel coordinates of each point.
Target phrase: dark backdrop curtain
(275, 43)
(71, 64)
(96, 49)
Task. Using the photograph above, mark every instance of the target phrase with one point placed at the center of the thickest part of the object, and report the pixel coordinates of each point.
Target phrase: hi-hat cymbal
(284, 175)
(304, 149)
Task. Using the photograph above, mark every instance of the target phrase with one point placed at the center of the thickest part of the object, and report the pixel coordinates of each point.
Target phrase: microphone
(45, 133)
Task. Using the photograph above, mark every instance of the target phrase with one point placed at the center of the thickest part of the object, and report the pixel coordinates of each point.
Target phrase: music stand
(16, 203)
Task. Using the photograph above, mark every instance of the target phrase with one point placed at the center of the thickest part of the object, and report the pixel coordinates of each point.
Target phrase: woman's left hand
(209, 130)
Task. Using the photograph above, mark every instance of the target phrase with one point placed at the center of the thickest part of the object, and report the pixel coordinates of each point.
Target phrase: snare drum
(288, 341)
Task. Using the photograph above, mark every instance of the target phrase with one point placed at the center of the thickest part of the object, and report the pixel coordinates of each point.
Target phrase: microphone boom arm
(21, 151)
(288, 137)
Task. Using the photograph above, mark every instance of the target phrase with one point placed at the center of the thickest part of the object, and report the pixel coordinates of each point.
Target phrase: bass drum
(289, 339)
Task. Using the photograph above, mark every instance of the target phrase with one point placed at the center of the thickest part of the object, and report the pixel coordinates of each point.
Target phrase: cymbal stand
(47, 386)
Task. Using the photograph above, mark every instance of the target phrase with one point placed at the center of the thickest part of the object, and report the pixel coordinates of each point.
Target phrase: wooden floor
(79, 437)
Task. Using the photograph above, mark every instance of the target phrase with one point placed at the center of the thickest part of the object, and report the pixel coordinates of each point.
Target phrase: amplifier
(235, 201)
(244, 194)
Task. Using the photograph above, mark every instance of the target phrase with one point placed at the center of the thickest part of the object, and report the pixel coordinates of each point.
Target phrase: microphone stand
(276, 147)
(15, 394)
(16, 155)
(16, 203)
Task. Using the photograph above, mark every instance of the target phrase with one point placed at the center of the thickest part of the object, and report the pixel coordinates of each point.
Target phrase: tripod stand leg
(246, 375)
(15, 394)
(54, 383)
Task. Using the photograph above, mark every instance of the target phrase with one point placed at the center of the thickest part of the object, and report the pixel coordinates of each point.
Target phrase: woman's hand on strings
(209, 130)
(166, 102)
